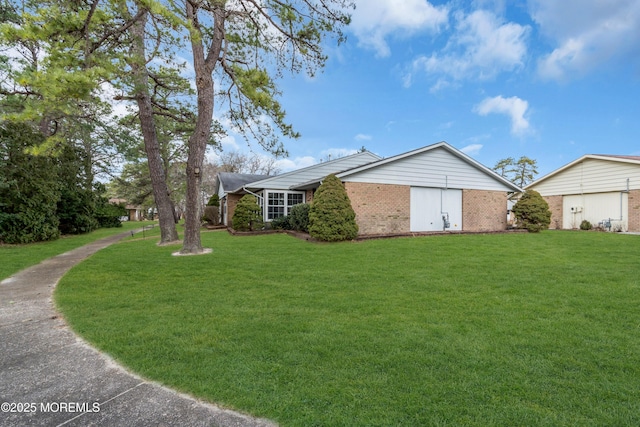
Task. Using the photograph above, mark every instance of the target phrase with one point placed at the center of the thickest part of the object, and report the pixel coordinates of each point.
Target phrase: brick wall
(309, 196)
(555, 206)
(634, 210)
(380, 208)
(232, 202)
(484, 210)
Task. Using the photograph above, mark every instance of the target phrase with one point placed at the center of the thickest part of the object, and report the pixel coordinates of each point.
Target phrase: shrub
(532, 212)
(247, 214)
(331, 217)
(299, 217)
(585, 225)
(109, 214)
(29, 188)
(281, 223)
(76, 210)
(211, 215)
(214, 200)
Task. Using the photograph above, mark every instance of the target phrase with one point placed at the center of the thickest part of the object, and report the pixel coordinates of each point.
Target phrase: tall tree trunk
(168, 231)
(203, 66)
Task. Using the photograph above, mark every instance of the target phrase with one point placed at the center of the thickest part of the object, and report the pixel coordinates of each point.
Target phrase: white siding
(221, 192)
(591, 176)
(315, 172)
(595, 208)
(434, 168)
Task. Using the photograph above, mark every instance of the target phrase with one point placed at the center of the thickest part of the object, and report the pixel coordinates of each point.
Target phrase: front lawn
(18, 257)
(509, 329)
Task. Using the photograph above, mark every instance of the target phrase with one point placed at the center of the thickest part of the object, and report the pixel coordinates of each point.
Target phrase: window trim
(285, 205)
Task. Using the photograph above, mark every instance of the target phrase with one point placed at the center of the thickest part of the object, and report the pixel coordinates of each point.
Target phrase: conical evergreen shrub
(331, 217)
(532, 212)
(246, 217)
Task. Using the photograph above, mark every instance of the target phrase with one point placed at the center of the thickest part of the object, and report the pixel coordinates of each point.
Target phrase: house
(277, 194)
(434, 188)
(602, 189)
(134, 212)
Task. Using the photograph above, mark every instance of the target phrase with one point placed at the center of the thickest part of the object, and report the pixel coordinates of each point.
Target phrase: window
(294, 199)
(279, 203)
(275, 206)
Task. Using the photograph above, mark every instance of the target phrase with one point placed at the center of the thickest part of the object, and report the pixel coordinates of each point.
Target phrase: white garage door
(595, 208)
(429, 205)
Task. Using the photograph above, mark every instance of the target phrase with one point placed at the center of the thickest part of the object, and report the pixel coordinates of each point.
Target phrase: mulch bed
(306, 236)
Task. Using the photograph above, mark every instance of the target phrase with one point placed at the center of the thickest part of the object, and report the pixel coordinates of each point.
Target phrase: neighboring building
(434, 188)
(602, 189)
(134, 212)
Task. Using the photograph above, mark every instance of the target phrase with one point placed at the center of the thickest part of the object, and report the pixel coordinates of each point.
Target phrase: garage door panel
(595, 208)
(428, 205)
(452, 205)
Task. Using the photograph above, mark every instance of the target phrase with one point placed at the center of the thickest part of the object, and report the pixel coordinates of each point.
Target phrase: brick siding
(380, 208)
(634, 210)
(555, 206)
(309, 196)
(232, 202)
(484, 210)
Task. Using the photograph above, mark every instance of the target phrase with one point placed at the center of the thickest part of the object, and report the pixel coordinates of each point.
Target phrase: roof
(607, 157)
(124, 202)
(442, 144)
(235, 181)
(315, 172)
(616, 157)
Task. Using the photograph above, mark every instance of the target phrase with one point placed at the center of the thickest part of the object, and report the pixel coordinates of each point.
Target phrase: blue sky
(551, 80)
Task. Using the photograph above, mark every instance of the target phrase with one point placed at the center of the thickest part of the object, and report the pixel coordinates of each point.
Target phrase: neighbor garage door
(429, 205)
(595, 208)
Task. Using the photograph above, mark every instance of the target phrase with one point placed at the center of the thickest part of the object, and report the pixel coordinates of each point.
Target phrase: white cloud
(334, 153)
(482, 47)
(513, 107)
(587, 33)
(375, 20)
(472, 149)
(363, 137)
(229, 143)
(287, 165)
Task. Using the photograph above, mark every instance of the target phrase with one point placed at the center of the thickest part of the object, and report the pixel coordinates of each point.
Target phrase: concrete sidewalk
(50, 377)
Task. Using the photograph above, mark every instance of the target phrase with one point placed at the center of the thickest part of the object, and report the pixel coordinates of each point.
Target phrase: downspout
(622, 197)
(252, 193)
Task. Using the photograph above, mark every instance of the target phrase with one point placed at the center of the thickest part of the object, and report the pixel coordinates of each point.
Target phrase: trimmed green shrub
(247, 214)
(585, 225)
(281, 223)
(214, 200)
(109, 214)
(532, 212)
(331, 217)
(299, 217)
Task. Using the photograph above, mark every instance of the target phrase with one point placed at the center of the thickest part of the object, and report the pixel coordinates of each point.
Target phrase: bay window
(280, 202)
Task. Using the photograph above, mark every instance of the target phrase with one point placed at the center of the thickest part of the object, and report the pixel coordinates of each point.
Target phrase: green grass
(512, 329)
(18, 257)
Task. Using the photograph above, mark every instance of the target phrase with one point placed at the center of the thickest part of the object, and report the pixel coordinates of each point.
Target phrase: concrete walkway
(50, 377)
